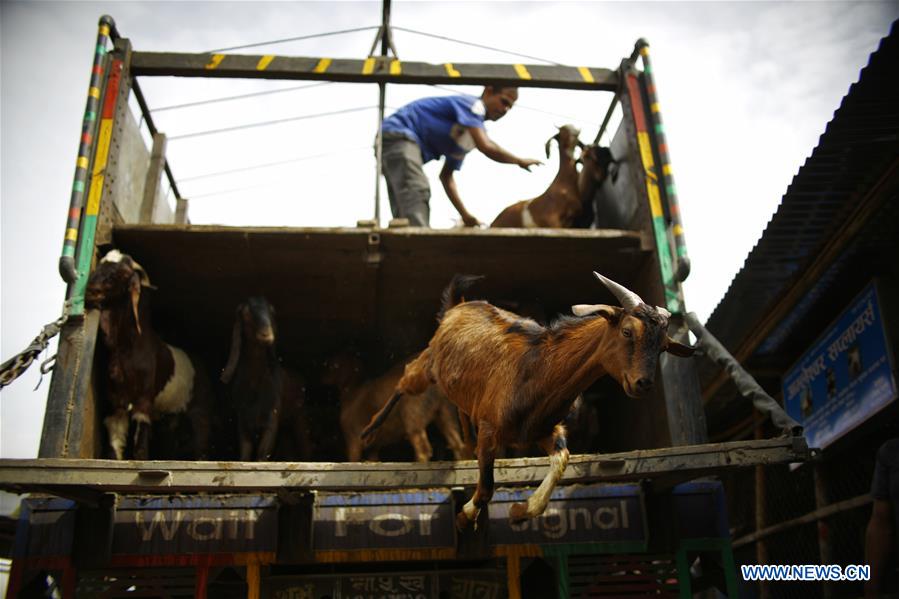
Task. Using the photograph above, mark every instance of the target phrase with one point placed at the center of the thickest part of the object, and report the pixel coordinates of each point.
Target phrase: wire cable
(271, 164)
(449, 39)
(293, 39)
(240, 97)
(233, 190)
(267, 123)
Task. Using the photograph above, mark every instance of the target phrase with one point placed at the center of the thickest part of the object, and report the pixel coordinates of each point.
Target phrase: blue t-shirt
(439, 126)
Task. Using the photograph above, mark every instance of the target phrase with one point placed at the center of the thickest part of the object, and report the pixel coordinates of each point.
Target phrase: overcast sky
(745, 90)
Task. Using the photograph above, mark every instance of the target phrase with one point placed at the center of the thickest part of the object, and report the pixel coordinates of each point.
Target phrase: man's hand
(527, 163)
(470, 221)
(492, 151)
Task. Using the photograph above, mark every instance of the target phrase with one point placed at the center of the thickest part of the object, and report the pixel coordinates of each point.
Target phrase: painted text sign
(845, 377)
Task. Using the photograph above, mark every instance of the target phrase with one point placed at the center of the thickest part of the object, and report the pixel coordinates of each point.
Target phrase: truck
(639, 510)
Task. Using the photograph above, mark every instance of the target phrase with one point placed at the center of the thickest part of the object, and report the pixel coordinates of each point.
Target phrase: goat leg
(199, 424)
(267, 442)
(353, 448)
(246, 443)
(484, 491)
(117, 427)
(446, 422)
(302, 435)
(141, 436)
(421, 445)
(415, 380)
(557, 448)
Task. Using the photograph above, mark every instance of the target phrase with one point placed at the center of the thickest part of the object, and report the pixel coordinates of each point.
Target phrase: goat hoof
(518, 512)
(462, 521)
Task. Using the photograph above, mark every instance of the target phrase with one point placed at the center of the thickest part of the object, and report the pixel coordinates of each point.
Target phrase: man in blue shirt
(429, 128)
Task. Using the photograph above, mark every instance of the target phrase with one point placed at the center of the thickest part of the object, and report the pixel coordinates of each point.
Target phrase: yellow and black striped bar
(370, 70)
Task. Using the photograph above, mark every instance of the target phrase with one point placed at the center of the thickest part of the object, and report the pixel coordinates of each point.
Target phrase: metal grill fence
(797, 526)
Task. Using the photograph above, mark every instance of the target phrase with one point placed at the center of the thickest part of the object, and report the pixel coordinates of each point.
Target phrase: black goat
(267, 398)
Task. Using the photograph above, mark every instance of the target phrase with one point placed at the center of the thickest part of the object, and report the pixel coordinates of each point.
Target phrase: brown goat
(360, 400)
(145, 376)
(560, 204)
(516, 380)
(267, 398)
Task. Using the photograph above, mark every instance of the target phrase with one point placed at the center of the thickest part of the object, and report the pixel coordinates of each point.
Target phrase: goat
(144, 375)
(360, 400)
(516, 380)
(559, 205)
(266, 397)
(596, 161)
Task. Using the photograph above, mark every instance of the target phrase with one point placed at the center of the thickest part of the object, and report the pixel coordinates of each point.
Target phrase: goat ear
(679, 349)
(234, 352)
(135, 300)
(603, 310)
(234, 355)
(104, 323)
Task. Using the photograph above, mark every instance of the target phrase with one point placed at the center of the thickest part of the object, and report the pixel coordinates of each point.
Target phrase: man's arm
(492, 151)
(878, 541)
(449, 186)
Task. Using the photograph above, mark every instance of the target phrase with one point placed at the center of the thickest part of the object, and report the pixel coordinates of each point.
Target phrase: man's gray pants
(407, 185)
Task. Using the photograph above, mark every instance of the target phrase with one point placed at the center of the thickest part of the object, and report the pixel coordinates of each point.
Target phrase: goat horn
(628, 299)
(549, 141)
(663, 312)
(144, 277)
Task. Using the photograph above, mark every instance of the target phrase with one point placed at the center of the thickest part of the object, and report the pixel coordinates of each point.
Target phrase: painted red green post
(655, 116)
(67, 268)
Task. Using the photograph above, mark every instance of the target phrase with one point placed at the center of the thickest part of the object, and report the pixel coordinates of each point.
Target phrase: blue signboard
(845, 377)
(575, 514)
(405, 520)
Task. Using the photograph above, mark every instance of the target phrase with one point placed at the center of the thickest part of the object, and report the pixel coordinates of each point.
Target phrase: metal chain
(17, 365)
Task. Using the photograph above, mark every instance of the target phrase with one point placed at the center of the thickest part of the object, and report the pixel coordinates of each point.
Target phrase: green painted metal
(83, 262)
(673, 296)
(85, 154)
(654, 115)
(561, 553)
(561, 557)
(685, 588)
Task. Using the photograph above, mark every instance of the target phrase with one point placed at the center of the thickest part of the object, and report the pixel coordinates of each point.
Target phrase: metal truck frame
(636, 518)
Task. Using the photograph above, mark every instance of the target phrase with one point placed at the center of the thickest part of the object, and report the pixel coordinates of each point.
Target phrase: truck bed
(665, 467)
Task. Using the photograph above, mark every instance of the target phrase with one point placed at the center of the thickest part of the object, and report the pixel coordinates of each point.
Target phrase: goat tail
(453, 295)
(368, 434)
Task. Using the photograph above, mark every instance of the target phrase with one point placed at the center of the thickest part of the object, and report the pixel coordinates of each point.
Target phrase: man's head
(498, 100)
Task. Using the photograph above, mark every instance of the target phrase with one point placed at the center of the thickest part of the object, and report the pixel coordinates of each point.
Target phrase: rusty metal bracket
(373, 253)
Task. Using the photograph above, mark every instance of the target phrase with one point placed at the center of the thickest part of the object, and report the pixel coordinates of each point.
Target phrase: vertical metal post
(761, 509)
(379, 148)
(154, 177)
(626, 64)
(107, 31)
(825, 547)
(181, 211)
(384, 34)
(201, 583)
(253, 580)
(655, 116)
(513, 576)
